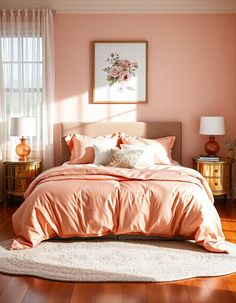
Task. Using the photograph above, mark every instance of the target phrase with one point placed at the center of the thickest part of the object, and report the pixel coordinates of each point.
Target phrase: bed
(86, 200)
(142, 129)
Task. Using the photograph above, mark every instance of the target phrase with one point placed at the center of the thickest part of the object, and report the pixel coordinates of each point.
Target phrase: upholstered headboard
(149, 130)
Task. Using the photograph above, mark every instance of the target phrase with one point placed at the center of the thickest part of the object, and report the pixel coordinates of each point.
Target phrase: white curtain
(27, 79)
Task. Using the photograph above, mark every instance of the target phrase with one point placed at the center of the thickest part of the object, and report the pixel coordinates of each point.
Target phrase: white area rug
(106, 260)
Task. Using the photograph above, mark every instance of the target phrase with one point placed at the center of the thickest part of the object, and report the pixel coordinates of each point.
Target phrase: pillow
(147, 158)
(162, 147)
(125, 158)
(102, 154)
(81, 147)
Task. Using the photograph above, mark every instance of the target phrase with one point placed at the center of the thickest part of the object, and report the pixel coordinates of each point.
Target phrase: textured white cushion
(125, 158)
(102, 154)
(148, 157)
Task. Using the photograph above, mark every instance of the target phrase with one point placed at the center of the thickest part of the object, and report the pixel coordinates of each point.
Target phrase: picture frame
(119, 72)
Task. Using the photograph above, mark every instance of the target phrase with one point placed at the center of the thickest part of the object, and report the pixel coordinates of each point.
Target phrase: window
(22, 74)
(27, 78)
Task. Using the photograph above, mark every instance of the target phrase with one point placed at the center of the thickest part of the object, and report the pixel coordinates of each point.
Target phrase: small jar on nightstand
(18, 175)
(218, 175)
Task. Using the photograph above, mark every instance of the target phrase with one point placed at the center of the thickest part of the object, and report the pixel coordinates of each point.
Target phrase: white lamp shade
(22, 126)
(212, 126)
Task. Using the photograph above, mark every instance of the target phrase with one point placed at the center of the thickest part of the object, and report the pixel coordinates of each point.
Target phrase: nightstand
(18, 175)
(218, 175)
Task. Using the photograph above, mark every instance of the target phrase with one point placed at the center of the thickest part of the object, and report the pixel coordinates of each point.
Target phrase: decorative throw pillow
(124, 158)
(162, 147)
(147, 158)
(81, 147)
(102, 154)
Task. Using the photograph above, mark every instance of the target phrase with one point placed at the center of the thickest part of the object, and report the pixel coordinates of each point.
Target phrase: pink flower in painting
(114, 72)
(125, 76)
(125, 63)
(119, 70)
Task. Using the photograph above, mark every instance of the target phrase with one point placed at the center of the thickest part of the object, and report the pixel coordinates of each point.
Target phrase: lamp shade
(22, 126)
(212, 126)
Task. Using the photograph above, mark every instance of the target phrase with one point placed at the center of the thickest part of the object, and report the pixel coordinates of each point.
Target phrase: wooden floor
(17, 289)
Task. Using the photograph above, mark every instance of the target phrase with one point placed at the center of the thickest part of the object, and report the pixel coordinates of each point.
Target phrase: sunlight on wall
(77, 108)
(121, 91)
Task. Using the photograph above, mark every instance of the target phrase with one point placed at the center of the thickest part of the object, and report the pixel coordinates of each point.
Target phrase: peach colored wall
(192, 69)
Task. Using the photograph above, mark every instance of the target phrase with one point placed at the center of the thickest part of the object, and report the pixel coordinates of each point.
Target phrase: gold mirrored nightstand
(17, 176)
(218, 175)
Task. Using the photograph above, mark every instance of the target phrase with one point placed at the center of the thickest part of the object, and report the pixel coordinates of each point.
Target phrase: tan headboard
(149, 130)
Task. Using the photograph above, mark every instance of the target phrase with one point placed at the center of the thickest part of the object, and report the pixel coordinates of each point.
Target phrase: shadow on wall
(77, 108)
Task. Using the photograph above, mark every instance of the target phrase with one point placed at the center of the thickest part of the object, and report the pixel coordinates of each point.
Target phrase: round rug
(104, 260)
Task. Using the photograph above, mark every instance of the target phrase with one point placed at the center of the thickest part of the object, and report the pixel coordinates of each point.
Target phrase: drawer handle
(216, 183)
(19, 185)
(216, 170)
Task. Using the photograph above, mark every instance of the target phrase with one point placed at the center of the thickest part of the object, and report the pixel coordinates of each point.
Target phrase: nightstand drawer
(27, 171)
(22, 184)
(219, 185)
(218, 175)
(18, 175)
(214, 170)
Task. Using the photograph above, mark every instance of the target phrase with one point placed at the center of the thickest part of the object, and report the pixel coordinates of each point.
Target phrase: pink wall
(192, 70)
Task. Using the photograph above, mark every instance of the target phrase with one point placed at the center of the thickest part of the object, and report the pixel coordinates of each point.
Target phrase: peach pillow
(82, 147)
(162, 147)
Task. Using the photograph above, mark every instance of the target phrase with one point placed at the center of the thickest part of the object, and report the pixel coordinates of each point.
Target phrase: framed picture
(119, 72)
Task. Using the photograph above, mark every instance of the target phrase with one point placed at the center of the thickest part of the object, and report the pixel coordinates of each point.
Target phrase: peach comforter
(89, 200)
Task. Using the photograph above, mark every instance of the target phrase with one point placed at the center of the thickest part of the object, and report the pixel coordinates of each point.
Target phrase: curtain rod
(31, 8)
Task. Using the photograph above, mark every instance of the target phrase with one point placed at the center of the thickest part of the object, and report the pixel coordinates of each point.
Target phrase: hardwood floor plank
(60, 292)
(197, 290)
(15, 290)
(38, 291)
(109, 292)
(133, 292)
(230, 281)
(5, 216)
(85, 293)
(6, 232)
(4, 280)
(179, 290)
(226, 212)
(158, 292)
(219, 290)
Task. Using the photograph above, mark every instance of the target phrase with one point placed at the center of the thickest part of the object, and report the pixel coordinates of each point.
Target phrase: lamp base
(23, 158)
(23, 150)
(212, 147)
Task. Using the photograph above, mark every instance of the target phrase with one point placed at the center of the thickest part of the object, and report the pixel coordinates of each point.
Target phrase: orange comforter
(87, 200)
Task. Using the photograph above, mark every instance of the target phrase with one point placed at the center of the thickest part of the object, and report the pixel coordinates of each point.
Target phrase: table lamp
(212, 126)
(22, 127)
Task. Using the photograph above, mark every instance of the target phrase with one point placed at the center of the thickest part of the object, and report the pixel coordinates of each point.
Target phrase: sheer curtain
(27, 79)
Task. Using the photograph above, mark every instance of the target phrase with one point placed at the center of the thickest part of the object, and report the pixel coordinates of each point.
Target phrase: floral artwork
(119, 72)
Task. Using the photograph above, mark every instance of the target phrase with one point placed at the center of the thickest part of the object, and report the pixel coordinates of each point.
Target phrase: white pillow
(148, 157)
(102, 154)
